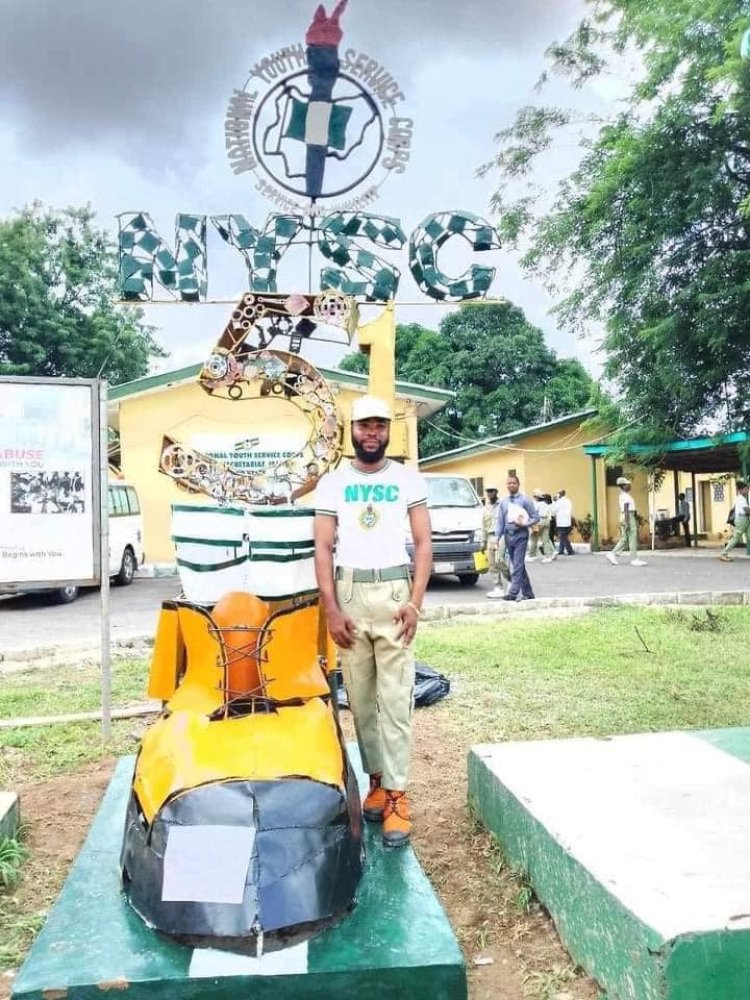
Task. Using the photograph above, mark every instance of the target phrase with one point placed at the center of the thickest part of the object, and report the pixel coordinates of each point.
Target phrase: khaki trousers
(739, 534)
(379, 676)
(491, 549)
(628, 536)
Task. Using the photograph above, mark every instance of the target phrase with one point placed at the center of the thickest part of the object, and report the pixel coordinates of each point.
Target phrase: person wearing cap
(489, 526)
(540, 531)
(628, 526)
(516, 514)
(741, 521)
(494, 546)
(373, 604)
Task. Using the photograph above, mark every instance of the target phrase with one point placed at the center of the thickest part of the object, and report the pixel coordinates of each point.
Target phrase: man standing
(540, 532)
(564, 520)
(741, 521)
(494, 546)
(516, 514)
(371, 603)
(683, 513)
(628, 526)
(489, 527)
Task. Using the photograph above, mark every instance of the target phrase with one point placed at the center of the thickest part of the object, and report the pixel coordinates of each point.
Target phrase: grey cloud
(143, 77)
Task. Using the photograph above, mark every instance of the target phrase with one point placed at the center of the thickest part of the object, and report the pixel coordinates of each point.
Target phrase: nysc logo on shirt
(366, 493)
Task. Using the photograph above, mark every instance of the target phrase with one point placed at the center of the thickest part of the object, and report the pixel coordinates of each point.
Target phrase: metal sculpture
(243, 829)
(433, 233)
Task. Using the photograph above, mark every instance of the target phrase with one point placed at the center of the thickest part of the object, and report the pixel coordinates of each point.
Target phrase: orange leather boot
(396, 819)
(374, 804)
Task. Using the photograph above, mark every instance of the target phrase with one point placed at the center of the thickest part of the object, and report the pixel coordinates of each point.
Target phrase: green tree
(58, 286)
(649, 235)
(504, 375)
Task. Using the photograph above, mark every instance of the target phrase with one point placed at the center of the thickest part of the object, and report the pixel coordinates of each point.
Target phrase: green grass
(41, 752)
(64, 690)
(12, 856)
(617, 670)
(17, 930)
(37, 753)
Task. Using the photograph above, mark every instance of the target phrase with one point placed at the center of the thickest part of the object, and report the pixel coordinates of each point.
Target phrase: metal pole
(652, 508)
(695, 510)
(106, 674)
(744, 471)
(310, 247)
(595, 505)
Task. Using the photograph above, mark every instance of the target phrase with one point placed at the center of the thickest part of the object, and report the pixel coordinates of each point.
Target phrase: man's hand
(408, 618)
(342, 628)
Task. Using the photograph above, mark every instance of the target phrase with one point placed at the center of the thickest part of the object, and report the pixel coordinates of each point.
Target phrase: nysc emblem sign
(313, 122)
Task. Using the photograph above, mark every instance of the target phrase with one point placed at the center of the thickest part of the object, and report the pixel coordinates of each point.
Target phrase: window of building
(613, 474)
(478, 483)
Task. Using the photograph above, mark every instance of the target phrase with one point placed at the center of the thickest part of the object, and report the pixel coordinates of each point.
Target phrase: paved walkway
(30, 622)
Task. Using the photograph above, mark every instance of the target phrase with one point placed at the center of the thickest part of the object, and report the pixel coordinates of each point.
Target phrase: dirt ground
(489, 907)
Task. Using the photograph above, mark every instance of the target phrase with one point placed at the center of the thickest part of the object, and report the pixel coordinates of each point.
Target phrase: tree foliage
(504, 375)
(58, 285)
(649, 235)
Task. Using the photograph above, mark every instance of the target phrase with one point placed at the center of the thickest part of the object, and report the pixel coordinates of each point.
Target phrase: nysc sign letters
(348, 241)
(364, 493)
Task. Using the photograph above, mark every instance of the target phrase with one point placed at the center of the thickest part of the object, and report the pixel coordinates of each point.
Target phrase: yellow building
(174, 404)
(704, 469)
(548, 456)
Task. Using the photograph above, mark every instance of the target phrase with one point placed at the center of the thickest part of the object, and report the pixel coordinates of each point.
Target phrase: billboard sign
(49, 482)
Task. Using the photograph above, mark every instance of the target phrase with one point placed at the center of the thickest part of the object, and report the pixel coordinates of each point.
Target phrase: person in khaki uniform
(628, 526)
(489, 527)
(540, 532)
(372, 604)
(494, 546)
(741, 521)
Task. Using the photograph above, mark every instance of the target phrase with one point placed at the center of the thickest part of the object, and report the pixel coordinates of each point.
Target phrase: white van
(456, 518)
(125, 533)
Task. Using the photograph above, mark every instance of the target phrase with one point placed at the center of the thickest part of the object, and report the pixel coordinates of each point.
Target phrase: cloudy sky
(122, 106)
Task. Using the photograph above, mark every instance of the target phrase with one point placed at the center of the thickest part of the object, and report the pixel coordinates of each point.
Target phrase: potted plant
(585, 527)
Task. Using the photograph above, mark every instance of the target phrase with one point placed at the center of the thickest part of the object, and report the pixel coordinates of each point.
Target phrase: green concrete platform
(10, 818)
(639, 847)
(397, 942)
(10, 815)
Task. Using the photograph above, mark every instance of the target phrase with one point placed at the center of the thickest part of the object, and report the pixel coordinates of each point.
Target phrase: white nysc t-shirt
(626, 500)
(371, 511)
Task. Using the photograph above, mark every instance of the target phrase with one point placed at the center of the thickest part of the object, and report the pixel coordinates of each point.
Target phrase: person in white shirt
(373, 604)
(628, 526)
(741, 521)
(563, 509)
(540, 532)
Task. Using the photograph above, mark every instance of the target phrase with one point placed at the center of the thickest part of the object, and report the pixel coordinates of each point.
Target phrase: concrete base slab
(9, 814)
(639, 847)
(396, 943)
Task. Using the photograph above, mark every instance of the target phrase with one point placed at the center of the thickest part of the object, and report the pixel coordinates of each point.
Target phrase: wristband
(412, 605)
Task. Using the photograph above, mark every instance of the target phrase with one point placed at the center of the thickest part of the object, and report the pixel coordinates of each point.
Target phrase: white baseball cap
(622, 481)
(370, 406)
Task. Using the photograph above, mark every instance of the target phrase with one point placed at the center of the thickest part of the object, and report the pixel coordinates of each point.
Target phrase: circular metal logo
(315, 123)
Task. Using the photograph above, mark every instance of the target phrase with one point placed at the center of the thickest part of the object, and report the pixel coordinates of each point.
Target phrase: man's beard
(369, 457)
